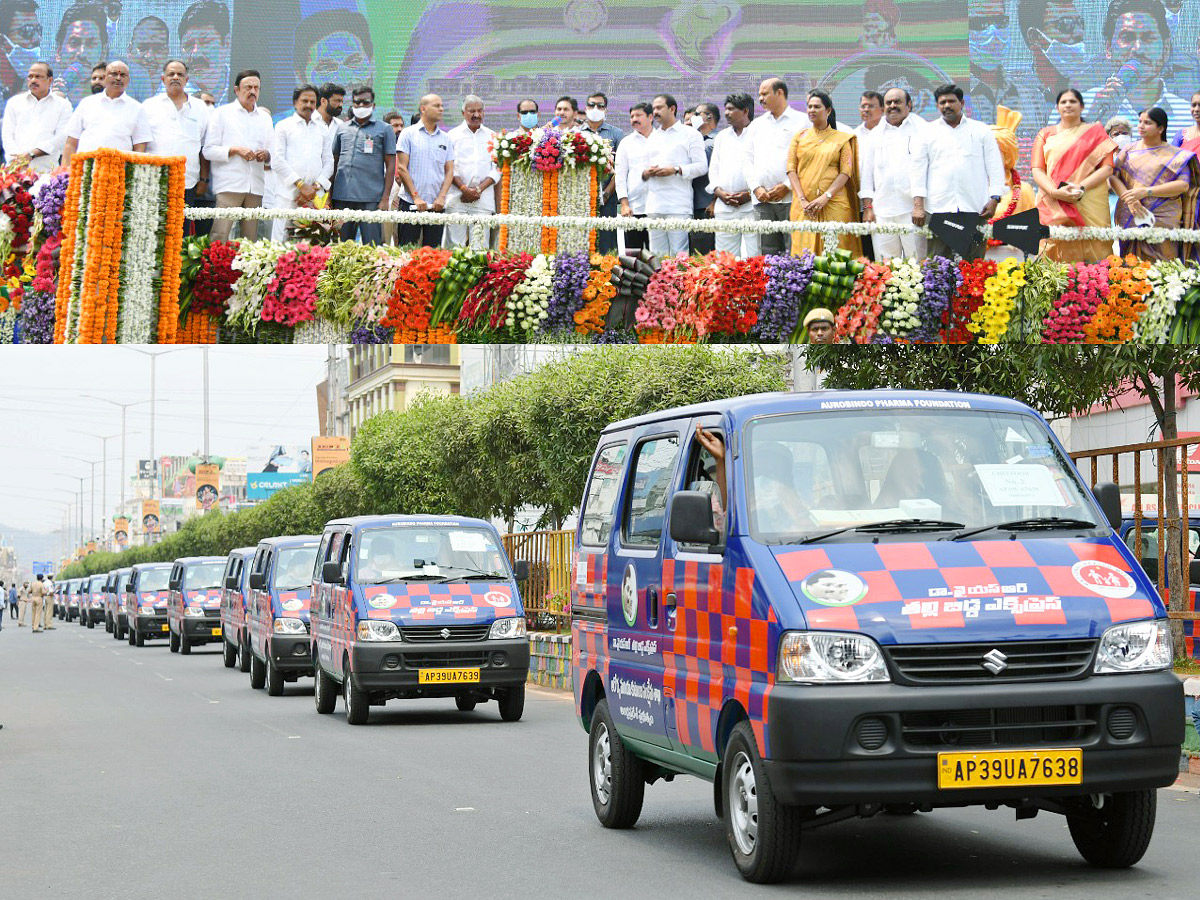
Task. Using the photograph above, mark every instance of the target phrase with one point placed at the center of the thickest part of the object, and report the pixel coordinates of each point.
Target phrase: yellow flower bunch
(990, 320)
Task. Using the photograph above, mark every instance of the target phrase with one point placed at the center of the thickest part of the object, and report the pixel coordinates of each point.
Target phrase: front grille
(964, 663)
(432, 634)
(446, 660)
(1003, 727)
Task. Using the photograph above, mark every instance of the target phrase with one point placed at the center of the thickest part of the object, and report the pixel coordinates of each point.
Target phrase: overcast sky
(257, 394)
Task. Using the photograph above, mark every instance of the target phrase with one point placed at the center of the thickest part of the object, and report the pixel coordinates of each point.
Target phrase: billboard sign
(329, 453)
(150, 516)
(261, 485)
(208, 485)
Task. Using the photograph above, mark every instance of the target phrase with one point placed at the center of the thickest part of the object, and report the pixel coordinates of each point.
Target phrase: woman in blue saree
(1151, 178)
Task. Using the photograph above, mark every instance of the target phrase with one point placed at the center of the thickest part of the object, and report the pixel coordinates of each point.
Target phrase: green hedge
(523, 443)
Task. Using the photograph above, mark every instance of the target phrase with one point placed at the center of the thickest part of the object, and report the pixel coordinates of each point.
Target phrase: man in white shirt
(767, 140)
(631, 160)
(35, 123)
(331, 100)
(957, 168)
(301, 157)
(238, 145)
(112, 120)
(472, 191)
(674, 156)
(178, 123)
(886, 165)
(732, 200)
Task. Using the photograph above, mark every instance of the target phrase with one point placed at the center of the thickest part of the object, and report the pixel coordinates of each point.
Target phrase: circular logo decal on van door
(629, 595)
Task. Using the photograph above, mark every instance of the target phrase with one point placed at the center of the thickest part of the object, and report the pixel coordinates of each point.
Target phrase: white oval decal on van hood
(423, 603)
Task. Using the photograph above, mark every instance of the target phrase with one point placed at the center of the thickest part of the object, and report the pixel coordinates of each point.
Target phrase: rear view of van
(843, 603)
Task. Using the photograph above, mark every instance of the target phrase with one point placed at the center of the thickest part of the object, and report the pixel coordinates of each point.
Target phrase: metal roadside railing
(546, 593)
(1124, 466)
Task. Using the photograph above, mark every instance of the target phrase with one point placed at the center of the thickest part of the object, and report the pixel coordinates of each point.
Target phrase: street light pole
(204, 350)
(104, 439)
(154, 459)
(92, 463)
(124, 407)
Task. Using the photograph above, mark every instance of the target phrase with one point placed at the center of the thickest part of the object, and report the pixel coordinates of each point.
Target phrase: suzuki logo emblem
(445, 633)
(995, 661)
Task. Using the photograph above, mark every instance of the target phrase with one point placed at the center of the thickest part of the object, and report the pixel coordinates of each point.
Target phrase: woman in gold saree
(1071, 164)
(1154, 180)
(823, 171)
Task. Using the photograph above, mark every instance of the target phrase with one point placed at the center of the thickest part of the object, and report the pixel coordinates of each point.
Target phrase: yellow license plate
(216, 632)
(166, 628)
(448, 676)
(1008, 768)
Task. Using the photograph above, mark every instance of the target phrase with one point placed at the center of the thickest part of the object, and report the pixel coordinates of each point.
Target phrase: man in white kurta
(732, 200)
(886, 164)
(301, 157)
(472, 192)
(674, 156)
(35, 123)
(111, 120)
(238, 145)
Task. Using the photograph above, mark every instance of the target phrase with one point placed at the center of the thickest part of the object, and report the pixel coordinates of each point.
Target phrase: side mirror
(174, 585)
(257, 582)
(331, 572)
(231, 582)
(522, 569)
(692, 519)
(1108, 495)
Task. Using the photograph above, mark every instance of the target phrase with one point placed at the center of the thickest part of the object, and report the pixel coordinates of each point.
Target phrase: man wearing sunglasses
(606, 203)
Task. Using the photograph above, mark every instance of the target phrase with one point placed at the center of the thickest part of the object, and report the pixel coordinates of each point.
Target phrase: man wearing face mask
(705, 118)
(1053, 32)
(992, 85)
(527, 114)
(606, 205)
(1137, 52)
(364, 155)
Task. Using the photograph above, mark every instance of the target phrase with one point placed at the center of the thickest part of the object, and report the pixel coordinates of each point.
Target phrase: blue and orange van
(840, 603)
(233, 608)
(115, 621)
(417, 606)
(146, 598)
(91, 604)
(194, 602)
(73, 594)
(281, 580)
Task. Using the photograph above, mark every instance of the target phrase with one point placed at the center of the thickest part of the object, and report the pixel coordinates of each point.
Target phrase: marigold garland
(597, 296)
(172, 259)
(505, 196)
(549, 208)
(71, 222)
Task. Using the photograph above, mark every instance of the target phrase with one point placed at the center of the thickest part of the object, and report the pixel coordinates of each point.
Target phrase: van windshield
(294, 570)
(96, 583)
(807, 474)
(428, 553)
(154, 579)
(201, 576)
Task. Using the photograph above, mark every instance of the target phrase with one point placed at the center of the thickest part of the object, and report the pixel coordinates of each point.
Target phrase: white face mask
(595, 114)
(363, 112)
(697, 121)
(1123, 140)
(1070, 60)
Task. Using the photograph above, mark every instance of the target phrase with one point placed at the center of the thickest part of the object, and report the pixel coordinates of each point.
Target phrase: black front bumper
(95, 615)
(397, 666)
(149, 626)
(816, 757)
(200, 629)
(292, 653)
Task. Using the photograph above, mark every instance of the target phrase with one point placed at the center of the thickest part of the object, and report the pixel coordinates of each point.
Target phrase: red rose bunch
(214, 282)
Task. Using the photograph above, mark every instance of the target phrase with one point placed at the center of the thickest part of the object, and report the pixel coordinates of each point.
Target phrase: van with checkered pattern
(840, 604)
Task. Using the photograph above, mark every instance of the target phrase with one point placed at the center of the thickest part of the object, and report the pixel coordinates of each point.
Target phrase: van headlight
(292, 626)
(1135, 647)
(508, 627)
(193, 611)
(378, 630)
(829, 657)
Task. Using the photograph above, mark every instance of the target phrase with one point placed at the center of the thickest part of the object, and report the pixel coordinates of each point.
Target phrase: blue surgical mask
(528, 119)
(1172, 20)
(1070, 60)
(988, 47)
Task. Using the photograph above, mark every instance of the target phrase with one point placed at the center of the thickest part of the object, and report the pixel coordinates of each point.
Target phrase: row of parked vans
(375, 608)
(829, 605)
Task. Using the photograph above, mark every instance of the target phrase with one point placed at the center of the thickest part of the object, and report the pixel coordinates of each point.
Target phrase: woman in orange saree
(822, 167)
(1071, 163)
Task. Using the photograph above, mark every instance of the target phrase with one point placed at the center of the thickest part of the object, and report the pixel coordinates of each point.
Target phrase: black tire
(139, 639)
(617, 777)
(763, 834)
(258, 673)
(108, 624)
(324, 690)
(1116, 836)
(512, 703)
(244, 655)
(185, 643)
(465, 702)
(90, 623)
(173, 638)
(274, 677)
(229, 654)
(358, 706)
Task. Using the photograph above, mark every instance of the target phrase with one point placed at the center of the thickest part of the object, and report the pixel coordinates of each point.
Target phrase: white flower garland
(319, 331)
(137, 300)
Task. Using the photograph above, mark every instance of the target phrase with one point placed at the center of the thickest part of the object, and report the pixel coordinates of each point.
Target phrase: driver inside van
(381, 562)
(297, 574)
(777, 507)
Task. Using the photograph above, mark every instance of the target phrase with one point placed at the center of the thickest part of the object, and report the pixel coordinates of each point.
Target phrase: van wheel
(357, 702)
(617, 776)
(763, 833)
(108, 624)
(274, 677)
(244, 656)
(465, 702)
(137, 639)
(258, 673)
(1117, 835)
(185, 643)
(174, 639)
(90, 623)
(324, 690)
(229, 656)
(512, 703)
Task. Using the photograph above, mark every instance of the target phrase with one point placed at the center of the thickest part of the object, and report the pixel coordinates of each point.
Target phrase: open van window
(425, 553)
(806, 473)
(202, 576)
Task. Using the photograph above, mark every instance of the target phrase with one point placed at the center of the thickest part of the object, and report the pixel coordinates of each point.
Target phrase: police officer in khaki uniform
(37, 596)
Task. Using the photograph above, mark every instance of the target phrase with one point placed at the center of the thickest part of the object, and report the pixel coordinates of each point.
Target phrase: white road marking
(163, 677)
(205, 699)
(464, 809)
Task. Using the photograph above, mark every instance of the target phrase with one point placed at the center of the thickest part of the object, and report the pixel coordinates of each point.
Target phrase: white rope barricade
(623, 223)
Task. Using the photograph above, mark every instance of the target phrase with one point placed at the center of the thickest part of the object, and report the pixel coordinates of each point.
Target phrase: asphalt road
(138, 773)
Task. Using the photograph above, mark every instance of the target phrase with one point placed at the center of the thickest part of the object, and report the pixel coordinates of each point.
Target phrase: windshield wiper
(1031, 524)
(402, 578)
(474, 574)
(889, 526)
